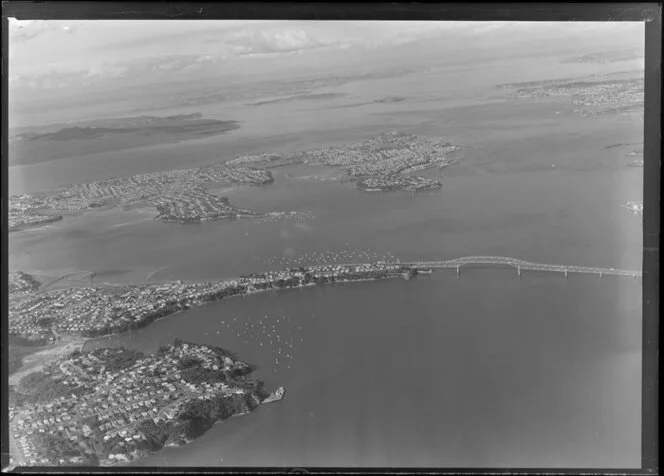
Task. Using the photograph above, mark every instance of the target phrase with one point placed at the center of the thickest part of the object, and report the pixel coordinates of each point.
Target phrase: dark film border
(650, 13)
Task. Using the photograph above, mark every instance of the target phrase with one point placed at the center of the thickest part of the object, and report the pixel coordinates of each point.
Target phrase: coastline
(274, 397)
(174, 444)
(185, 441)
(81, 342)
(238, 295)
(193, 410)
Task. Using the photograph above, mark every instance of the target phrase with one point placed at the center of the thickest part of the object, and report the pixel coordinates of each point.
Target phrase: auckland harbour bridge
(520, 266)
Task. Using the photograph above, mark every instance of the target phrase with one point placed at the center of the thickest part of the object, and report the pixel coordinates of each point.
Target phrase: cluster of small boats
(636, 207)
(345, 255)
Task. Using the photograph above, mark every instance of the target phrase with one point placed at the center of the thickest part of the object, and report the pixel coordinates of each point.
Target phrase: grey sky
(52, 54)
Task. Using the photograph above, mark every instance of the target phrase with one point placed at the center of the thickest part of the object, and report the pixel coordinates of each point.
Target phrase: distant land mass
(591, 96)
(114, 122)
(383, 100)
(607, 56)
(389, 99)
(35, 145)
(298, 98)
(262, 90)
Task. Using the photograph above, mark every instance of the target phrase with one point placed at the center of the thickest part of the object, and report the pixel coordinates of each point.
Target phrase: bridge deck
(505, 261)
(522, 265)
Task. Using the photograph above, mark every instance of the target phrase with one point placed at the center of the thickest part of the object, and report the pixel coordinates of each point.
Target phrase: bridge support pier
(565, 272)
(458, 268)
(518, 270)
(600, 275)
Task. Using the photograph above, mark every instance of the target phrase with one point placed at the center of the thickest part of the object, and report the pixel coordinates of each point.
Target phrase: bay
(482, 370)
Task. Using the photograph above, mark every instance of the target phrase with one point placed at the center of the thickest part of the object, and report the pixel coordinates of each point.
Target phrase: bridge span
(520, 266)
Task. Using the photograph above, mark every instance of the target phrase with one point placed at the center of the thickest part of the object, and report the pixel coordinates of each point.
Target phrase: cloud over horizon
(70, 54)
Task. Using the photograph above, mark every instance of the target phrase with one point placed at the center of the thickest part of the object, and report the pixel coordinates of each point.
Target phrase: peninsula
(117, 405)
(38, 318)
(382, 163)
(590, 96)
(179, 195)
